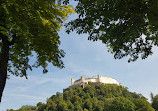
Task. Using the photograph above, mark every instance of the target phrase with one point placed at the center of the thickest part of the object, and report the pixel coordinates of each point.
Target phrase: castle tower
(72, 81)
(99, 77)
(83, 81)
(82, 78)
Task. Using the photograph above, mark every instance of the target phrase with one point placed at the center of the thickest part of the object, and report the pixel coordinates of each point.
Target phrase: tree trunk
(4, 57)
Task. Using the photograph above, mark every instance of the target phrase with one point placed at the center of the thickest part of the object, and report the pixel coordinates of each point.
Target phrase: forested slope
(99, 98)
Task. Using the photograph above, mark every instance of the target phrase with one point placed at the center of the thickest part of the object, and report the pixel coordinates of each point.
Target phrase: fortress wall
(99, 79)
(85, 81)
(108, 80)
(93, 80)
(77, 82)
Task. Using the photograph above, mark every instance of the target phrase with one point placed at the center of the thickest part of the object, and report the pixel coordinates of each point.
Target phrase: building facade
(94, 80)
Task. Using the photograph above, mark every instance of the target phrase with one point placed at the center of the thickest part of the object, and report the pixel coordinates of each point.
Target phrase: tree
(51, 106)
(28, 26)
(146, 109)
(88, 104)
(41, 106)
(155, 102)
(127, 27)
(122, 104)
(62, 106)
(142, 105)
(27, 108)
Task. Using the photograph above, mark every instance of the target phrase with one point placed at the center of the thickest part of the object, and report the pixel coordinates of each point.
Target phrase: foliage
(128, 27)
(146, 109)
(122, 104)
(27, 28)
(25, 108)
(155, 102)
(143, 105)
(31, 26)
(99, 98)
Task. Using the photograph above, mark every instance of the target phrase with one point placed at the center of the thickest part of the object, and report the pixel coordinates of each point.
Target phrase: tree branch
(13, 40)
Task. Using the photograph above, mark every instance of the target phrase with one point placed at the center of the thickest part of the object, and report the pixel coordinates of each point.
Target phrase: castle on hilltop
(94, 81)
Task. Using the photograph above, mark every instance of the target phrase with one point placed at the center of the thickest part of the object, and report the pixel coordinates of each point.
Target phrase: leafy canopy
(128, 27)
(32, 26)
(155, 102)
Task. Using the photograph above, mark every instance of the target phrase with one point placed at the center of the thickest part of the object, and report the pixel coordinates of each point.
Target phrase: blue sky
(83, 57)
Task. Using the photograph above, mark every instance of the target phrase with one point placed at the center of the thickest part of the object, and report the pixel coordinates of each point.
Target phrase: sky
(83, 57)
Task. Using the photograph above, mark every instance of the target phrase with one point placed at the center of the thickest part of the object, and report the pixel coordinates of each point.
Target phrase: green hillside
(99, 98)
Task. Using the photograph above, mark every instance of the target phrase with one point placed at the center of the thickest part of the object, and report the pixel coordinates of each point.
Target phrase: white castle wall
(99, 79)
(107, 80)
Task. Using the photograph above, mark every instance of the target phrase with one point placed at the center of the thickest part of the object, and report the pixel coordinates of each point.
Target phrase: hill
(99, 98)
